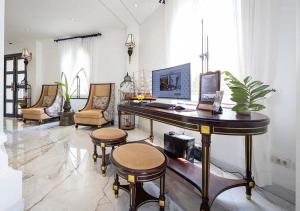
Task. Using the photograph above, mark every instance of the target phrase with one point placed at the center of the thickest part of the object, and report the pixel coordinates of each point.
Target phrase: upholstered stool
(107, 137)
(137, 163)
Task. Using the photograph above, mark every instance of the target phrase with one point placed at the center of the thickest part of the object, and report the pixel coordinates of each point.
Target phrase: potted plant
(66, 91)
(247, 93)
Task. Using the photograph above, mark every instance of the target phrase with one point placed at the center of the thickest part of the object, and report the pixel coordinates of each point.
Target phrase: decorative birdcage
(25, 88)
(127, 89)
(127, 92)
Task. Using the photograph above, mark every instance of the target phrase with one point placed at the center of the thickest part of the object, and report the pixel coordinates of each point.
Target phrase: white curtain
(253, 21)
(243, 39)
(266, 32)
(74, 55)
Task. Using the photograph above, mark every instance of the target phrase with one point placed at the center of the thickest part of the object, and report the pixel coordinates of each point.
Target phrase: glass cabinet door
(14, 73)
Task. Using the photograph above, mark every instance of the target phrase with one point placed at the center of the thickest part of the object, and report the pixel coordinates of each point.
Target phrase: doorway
(14, 73)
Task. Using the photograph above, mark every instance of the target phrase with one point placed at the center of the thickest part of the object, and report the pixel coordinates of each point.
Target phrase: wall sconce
(162, 1)
(26, 56)
(130, 44)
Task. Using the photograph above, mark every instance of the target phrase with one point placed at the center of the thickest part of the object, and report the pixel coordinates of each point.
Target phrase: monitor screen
(173, 82)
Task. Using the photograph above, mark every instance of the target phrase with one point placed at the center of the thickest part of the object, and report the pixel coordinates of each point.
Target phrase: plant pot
(244, 113)
(67, 106)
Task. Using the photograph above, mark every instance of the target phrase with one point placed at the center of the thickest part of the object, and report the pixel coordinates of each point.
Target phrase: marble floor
(59, 175)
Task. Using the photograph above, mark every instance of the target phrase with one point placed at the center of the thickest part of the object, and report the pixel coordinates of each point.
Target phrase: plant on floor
(247, 93)
(66, 89)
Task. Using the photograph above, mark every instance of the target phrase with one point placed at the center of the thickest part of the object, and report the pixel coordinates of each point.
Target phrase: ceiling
(39, 19)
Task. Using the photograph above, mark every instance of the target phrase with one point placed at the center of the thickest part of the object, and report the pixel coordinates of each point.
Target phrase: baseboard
(282, 192)
(275, 189)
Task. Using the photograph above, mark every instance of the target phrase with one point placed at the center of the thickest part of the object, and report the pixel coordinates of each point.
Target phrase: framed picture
(210, 84)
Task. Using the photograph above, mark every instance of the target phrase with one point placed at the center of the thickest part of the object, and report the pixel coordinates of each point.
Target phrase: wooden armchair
(47, 107)
(97, 116)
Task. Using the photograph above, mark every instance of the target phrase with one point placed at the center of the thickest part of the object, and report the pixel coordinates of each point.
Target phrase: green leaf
(260, 88)
(256, 107)
(254, 84)
(240, 107)
(247, 79)
(59, 83)
(239, 90)
(260, 95)
(239, 98)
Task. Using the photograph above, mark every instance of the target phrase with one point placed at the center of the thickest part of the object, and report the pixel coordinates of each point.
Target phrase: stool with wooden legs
(138, 163)
(106, 137)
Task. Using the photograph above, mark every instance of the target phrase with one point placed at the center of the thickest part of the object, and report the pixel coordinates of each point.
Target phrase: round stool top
(138, 156)
(108, 134)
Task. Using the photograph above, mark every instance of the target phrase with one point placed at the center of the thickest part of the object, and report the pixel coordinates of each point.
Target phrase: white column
(10, 179)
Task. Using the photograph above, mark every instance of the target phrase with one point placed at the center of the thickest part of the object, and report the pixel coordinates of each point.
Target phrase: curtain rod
(76, 37)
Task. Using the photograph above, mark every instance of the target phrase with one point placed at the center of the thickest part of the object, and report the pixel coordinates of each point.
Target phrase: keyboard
(161, 105)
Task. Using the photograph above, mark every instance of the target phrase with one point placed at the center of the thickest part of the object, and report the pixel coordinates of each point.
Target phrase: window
(184, 43)
(75, 55)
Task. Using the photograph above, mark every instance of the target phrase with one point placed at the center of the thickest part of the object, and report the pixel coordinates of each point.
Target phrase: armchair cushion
(35, 111)
(92, 113)
(47, 101)
(100, 102)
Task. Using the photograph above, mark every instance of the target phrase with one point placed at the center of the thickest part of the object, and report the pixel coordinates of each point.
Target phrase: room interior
(149, 105)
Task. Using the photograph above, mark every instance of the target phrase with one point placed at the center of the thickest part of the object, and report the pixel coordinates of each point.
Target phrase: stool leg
(95, 155)
(103, 165)
(116, 185)
(162, 194)
(132, 187)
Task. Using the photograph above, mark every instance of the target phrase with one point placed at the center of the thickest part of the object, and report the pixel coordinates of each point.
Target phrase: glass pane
(9, 79)
(21, 65)
(20, 94)
(20, 77)
(9, 108)
(9, 65)
(9, 94)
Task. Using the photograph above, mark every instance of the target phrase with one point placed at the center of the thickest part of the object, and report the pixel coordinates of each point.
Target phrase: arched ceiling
(39, 19)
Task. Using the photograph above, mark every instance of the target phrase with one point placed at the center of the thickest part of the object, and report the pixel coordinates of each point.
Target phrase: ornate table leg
(116, 185)
(162, 193)
(206, 140)
(151, 130)
(132, 193)
(248, 156)
(103, 165)
(119, 119)
(95, 155)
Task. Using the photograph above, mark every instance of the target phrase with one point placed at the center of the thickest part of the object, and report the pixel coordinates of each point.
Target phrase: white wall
(153, 55)
(109, 62)
(298, 111)
(10, 179)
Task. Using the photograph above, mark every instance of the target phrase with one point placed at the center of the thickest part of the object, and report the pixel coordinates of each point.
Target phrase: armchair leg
(40, 122)
(76, 126)
(112, 122)
(24, 120)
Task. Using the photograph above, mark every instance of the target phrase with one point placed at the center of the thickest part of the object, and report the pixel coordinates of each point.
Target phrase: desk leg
(205, 171)
(151, 130)
(248, 156)
(119, 119)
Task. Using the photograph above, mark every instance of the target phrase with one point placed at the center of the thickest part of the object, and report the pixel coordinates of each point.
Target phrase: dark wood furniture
(228, 123)
(138, 163)
(106, 137)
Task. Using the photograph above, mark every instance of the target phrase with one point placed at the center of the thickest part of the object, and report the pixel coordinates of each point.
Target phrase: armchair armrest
(56, 106)
(109, 112)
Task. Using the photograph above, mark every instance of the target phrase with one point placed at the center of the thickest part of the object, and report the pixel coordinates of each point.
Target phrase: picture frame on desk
(210, 84)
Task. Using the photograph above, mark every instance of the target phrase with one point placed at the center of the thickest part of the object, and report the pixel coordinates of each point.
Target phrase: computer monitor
(172, 82)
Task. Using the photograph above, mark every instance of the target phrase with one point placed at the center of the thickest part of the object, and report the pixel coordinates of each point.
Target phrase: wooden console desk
(207, 124)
